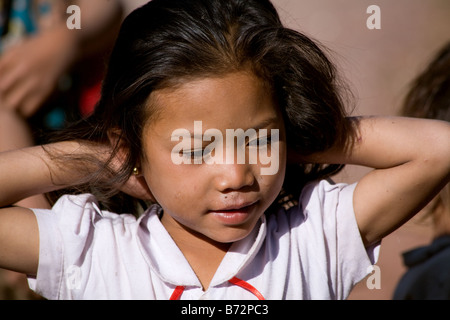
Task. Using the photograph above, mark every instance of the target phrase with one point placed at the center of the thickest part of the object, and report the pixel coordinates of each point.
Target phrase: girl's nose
(233, 177)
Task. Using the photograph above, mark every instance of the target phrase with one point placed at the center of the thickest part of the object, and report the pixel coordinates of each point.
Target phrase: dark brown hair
(168, 41)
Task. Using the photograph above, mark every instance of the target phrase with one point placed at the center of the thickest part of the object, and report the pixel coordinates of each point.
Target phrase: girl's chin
(217, 233)
(231, 234)
(225, 239)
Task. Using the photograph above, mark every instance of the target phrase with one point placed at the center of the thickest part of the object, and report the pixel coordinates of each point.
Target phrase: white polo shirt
(311, 251)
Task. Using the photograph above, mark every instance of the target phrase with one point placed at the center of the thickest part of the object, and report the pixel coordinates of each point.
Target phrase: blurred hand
(30, 71)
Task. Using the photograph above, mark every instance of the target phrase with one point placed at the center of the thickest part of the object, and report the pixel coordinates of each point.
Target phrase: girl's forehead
(229, 99)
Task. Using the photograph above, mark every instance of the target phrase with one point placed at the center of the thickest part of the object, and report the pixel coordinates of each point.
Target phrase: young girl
(215, 230)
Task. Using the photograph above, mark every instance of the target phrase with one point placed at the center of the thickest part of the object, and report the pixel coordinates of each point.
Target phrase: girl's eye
(264, 141)
(193, 154)
(260, 142)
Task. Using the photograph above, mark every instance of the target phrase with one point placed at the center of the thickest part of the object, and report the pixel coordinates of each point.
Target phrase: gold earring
(136, 171)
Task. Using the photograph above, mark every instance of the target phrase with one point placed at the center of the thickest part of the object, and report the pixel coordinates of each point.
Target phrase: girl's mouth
(234, 215)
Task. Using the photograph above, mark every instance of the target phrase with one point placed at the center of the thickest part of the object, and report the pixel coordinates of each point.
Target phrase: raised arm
(39, 170)
(24, 173)
(411, 158)
(30, 171)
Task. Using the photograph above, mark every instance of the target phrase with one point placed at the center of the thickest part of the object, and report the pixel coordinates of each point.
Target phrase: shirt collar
(168, 262)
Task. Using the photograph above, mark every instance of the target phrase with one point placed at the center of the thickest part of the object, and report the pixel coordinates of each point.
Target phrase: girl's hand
(98, 155)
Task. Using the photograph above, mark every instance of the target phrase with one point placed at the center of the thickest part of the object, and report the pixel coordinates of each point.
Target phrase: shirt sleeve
(332, 236)
(64, 231)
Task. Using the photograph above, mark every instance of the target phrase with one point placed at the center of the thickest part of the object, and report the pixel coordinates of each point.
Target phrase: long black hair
(168, 42)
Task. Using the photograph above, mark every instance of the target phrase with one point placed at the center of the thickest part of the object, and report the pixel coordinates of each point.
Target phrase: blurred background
(378, 65)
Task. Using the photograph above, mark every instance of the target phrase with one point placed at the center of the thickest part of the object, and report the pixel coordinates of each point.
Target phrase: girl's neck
(203, 254)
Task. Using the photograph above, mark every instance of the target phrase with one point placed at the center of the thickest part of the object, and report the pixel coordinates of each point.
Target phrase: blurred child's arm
(411, 158)
(100, 22)
(27, 80)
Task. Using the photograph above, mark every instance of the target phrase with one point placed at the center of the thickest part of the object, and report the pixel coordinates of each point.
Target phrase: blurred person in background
(49, 74)
(428, 275)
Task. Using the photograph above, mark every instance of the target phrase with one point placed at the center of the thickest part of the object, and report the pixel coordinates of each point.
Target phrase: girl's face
(223, 200)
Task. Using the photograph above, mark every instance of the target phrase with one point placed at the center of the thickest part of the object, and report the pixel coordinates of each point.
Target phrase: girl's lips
(234, 216)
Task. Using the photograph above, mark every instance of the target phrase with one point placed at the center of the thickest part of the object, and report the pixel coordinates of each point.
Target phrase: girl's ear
(136, 186)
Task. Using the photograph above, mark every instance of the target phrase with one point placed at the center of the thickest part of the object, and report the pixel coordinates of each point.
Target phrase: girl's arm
(24, 173)
(39, 170)
(30, 171)
(411, 158)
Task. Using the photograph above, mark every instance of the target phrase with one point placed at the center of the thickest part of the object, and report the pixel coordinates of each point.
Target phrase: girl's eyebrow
(266, 123)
